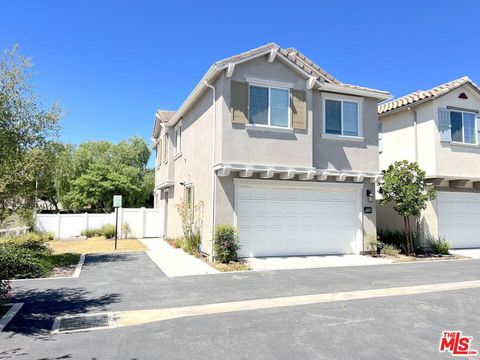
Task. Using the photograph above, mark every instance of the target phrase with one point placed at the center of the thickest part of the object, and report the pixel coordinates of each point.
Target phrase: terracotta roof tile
(425, 94)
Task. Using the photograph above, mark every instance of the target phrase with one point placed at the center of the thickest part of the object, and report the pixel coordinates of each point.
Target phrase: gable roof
(161, 116)
(292, 58)
(421, 96)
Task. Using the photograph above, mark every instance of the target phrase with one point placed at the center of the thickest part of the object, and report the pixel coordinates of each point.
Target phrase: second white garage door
(459, 218)
(275, 218)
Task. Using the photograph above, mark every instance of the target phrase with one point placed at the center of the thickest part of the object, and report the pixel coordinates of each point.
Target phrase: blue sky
(112, 63)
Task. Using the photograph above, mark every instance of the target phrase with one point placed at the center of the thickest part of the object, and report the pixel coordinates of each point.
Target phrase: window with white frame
(342, 117)
(463, 125)
(380, 138)
(269, 106)
(165, 147)
(159, 151)
(177, 148)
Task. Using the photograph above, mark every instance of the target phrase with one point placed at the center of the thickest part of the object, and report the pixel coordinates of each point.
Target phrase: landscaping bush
(440, 245)
(19, 262)
(397, 239)
(225, 243)
(4, 292)
(90, 233)
(390, 250)
(108, 230)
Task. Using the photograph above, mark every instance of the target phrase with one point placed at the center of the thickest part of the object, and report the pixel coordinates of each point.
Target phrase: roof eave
(352, 91)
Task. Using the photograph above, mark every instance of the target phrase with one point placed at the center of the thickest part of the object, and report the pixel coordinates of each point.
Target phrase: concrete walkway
(471, 253)
(309, 262)
(175, 262)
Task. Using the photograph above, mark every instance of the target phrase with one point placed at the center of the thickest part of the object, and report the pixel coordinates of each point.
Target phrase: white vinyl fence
(143, 222)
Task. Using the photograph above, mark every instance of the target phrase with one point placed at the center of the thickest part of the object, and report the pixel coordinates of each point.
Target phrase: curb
(9, 315)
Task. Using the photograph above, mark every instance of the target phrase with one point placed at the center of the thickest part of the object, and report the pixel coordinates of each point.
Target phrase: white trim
(15, 308)
(310, 83)
(342, 89)
(261, 127)
(267, 174)
(297, 184)
(342, 98)
(230, 69)
(272, 55)
(289, 174)
(177, 156)
(246, 173)
(165, 184)
(343, 137)
(268, 83)
(463, 143)
(269, 117)
(307, 176)
(271, 170)
(341, 177)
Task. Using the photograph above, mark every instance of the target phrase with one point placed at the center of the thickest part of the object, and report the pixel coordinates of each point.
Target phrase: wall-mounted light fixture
(370, 195)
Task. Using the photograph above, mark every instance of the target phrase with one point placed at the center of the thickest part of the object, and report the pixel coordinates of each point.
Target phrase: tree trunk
(409, 237)
(405, 230)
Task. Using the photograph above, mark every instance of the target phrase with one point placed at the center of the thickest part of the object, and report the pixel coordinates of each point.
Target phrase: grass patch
(4, 309)
(95, 245)
(231, 266)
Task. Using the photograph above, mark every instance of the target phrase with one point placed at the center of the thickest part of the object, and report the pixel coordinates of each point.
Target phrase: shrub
(176, 242)
(397, 239)
(108, 230)
(192, 218)
(390, 250)
(90, 232)
(440, 245)
(19, 262)
(225, 243)
(4, 291)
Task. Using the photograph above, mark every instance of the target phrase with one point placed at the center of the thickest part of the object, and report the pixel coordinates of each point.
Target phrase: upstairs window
(159, 151)
(177, 148)
(165, 147)
(459, 126)
(342, 117)
(269, 106)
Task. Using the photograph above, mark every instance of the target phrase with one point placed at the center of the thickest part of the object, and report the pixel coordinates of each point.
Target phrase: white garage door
(459, 218)
(276, 219)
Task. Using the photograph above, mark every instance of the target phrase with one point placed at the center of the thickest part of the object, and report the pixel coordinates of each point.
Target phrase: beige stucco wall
(346, 154)
(248, 146)
(194, 165)
(452, 159)
(235, 144)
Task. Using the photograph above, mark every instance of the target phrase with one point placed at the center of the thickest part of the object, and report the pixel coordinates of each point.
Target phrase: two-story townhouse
(440, 130)
(277, 147)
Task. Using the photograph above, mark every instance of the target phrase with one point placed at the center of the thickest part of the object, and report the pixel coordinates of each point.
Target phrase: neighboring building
(277, 147)
(440, 129)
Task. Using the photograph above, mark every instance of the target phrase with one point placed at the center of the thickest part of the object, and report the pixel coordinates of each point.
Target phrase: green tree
(100, 169)
(24, 125)
(404, 184)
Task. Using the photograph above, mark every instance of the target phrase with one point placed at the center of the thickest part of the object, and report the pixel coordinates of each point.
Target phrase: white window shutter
(444, 124)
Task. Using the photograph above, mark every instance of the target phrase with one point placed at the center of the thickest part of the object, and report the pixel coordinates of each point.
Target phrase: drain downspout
(214, 188)
(415, 132)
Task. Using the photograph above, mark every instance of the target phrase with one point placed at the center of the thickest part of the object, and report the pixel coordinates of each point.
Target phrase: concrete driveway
(471, 253)
(309, 262)
(404, 322)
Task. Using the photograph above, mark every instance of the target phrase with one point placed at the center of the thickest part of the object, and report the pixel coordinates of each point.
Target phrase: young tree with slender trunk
(403, 183)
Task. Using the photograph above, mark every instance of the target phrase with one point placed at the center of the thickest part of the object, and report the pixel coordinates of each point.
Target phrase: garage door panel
(459, 218)
(296, 221)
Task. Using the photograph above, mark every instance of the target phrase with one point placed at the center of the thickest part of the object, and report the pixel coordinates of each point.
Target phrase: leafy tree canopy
(25, 125)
